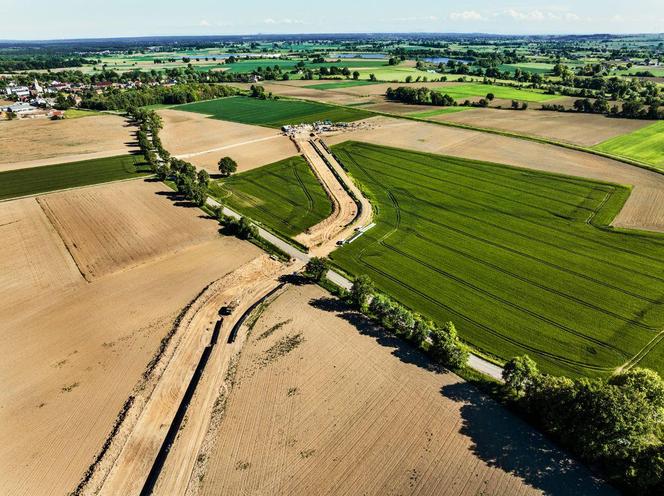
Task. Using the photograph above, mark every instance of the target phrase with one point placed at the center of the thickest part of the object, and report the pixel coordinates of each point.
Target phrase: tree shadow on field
(180, 200)
(504, 441)
(401, 348)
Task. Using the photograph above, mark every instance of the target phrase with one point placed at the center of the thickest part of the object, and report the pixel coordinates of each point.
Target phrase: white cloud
(467, 15)
(204, 23)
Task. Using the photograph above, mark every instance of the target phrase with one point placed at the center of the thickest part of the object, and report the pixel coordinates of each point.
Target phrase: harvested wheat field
(642, 210)
(33, 142)
(203, 141)
(323, 404)
(74, 351)
(118, 226)
(579, 129)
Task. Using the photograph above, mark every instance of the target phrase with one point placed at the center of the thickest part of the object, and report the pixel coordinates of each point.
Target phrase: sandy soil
(580, 129)
(203, 141)
(74, 351)
(642, 210)
(114, 227)
(322, 404)
(343, 221)
(344, 208)
(131, 469)
(35, 142)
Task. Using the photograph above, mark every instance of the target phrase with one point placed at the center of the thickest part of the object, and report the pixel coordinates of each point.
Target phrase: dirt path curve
(322, 237)
(344, 208)
(130, 470)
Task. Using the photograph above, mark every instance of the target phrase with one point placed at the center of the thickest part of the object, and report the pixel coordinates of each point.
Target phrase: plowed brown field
(34, 142)
(322, 404)
(580, 129)
(73, 351)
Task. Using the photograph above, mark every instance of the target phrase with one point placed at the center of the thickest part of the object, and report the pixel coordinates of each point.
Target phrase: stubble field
(203, 141)
(579, 129)
(323, 404)
(74, 351)
(68, 140)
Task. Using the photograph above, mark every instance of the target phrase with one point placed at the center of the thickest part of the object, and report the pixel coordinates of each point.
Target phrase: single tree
(316, 268)
(227, 166)
(446, 348)
(519, 374)
(361, 291)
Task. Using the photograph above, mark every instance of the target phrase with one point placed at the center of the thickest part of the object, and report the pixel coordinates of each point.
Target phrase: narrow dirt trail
(128, 473)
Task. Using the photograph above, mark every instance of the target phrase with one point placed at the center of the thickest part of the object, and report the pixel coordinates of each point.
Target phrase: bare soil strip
(327, 405)
(343, 206)
(643, 209)
(131, 469)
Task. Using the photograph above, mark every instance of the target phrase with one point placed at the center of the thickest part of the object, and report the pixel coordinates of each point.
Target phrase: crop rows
(516, 258)
(23, 182)
(272, 113)
(284, 196)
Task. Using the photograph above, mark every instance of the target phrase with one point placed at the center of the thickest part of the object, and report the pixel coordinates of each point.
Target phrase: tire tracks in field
(643, 352)
(361, 259)
(480, 204)
(310, 200)
(533, 282)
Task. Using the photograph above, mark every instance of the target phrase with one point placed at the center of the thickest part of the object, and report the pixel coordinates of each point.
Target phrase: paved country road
(475, 362)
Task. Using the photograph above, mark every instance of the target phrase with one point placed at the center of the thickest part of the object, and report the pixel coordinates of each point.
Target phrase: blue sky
(46, 19)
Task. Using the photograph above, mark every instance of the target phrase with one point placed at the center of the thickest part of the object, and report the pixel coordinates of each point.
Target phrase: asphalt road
(474, 361)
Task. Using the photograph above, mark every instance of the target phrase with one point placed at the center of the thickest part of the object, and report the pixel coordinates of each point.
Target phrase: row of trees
(615, 424)
(121, 99)
(419, 96)
(442, 343)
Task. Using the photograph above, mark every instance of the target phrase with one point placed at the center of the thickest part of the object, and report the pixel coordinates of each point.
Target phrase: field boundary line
(510, 134)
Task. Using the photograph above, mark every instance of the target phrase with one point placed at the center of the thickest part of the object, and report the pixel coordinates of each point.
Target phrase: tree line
(441, 343)
(614, 424)
(121, 99)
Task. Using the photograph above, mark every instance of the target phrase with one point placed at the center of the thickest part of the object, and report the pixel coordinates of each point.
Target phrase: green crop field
(645, 144)
(396, 73)
(35, 180)
(284, 196)
(340, 84)
(504, 92)
(273, 113)
(520, 260)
